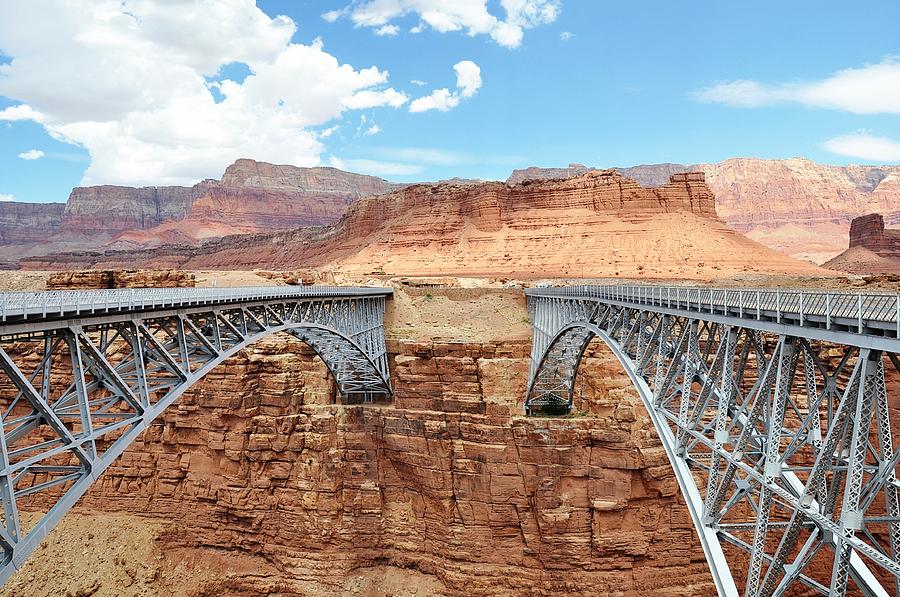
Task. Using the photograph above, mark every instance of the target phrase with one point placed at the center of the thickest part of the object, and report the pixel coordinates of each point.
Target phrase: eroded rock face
(251, 197)
(321, 181)
(873, 249)
(449, 479)
(22, 223)
(110, 209)
(597, 224)
(795, 206)
(98, 279)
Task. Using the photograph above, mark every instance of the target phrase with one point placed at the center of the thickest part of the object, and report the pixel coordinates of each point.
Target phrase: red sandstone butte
(873, 249)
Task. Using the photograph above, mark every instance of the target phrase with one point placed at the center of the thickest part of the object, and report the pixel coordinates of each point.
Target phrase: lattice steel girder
(77, 386)
(777, 426)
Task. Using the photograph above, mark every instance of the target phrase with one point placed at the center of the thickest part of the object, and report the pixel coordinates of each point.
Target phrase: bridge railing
(853, 311)
(63, 302)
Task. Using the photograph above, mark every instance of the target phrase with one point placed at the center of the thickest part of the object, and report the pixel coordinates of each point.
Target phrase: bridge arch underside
(73, 399)
(782, 446)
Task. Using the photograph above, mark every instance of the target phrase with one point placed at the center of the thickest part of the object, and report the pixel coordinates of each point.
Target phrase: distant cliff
(28, 222)
(597, 224)
(796, 206)
(251, 197)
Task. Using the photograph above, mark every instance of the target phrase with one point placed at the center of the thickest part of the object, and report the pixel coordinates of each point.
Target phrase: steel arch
(805, 436)
(712, 549)
(77, 388)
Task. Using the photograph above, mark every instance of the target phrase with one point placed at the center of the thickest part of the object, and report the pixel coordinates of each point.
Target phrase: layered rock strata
(796, 205)
(24, 223)
(600, 223)
(448, 480)
(873, 249)
(97, 279)
(252, 196)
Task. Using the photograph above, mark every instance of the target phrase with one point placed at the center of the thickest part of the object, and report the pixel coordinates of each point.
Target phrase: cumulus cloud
(387, 30)
(6, 197)
(566, 36)
(136, 83)
(471, 16)
(20, 112)
(31, 154)
(468, 81)
(871, 89)
(865, 146)
(373, 130)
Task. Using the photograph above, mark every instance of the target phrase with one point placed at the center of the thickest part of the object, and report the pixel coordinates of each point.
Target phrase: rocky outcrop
(24, 223)
(873, 248)
(795, 206)
(536, 173)
(597, 224)
(95, 279)
(868, 231)
(649, 175)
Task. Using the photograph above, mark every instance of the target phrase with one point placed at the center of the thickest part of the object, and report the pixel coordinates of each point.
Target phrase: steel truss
(78, 385)
(778, 430)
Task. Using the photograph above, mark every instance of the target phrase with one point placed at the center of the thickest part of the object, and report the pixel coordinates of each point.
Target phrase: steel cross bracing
(82, 374)
(774, 408)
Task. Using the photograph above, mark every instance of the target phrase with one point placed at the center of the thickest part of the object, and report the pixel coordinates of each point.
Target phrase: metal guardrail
(26, 305)
(855, 311)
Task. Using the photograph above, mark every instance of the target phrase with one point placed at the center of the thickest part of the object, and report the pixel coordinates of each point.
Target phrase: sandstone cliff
(251, 197)
(597, 224)
(873, 248)
(795, 206)
(23, 223)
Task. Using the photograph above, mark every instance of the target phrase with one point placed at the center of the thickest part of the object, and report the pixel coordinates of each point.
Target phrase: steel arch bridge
(774, 411)
(82, 374)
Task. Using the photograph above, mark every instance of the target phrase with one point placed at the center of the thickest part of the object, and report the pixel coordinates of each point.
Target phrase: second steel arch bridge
(775, 410)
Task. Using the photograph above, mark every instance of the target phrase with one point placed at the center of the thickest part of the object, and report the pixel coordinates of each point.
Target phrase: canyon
(598, 224)
(259, 482)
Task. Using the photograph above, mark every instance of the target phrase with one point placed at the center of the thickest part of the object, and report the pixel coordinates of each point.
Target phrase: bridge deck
(870, 320)
(16, 307)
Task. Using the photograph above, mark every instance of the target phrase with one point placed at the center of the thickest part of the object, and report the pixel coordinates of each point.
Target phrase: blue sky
(542, 82)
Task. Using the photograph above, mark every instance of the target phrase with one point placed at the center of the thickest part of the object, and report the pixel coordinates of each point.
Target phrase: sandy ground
(123, 555)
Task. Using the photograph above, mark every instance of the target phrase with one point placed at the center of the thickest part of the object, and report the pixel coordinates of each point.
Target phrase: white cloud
(471, 16)
(566, 36)
(376, 167)
(31, 154)
(468, 81)
(871, 89)
(148, 115)
(468, 77)
(20, 112)
(6, 197)
(325, 133)
(387, 30)
(864, 146)
(417, 82)
(440, 99)
(373, 130)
